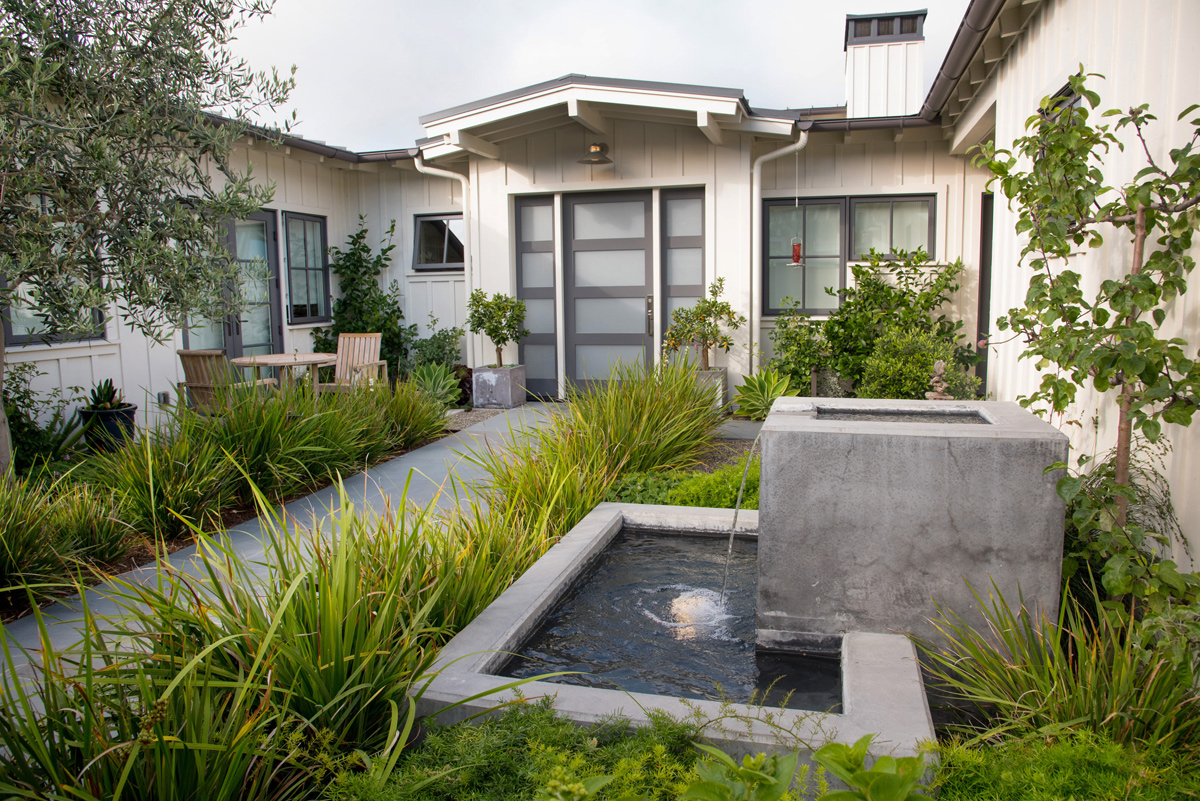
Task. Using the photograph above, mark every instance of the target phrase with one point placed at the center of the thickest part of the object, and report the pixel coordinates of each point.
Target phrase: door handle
(649, 315)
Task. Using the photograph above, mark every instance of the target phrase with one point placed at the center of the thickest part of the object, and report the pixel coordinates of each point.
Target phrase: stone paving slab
(373, 490)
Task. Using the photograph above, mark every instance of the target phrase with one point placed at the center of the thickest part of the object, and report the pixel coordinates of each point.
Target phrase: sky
(367, 69)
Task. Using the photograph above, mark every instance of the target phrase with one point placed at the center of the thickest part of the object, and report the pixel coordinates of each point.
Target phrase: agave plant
(437, 381)
(756, 394)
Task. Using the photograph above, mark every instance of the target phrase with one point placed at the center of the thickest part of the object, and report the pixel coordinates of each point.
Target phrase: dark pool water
(956, 418)
(647, 618)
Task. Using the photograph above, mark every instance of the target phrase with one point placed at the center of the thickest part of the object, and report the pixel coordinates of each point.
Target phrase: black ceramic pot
(108, 429)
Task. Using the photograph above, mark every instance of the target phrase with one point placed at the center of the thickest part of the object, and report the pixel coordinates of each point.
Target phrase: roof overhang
(594, 103)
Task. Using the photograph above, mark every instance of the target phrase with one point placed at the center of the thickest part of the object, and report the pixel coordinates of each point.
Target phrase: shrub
(757, 392)
(699, 325)
(500, 318)
(1029, 676)
(365, 307)
(410, 417)
(899, 290)
(436, 380)
(719, 489)
(1074, 765)
(903, 362)
(442, 346)
(35, 445)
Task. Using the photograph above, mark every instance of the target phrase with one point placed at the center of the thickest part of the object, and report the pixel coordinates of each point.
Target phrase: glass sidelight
(607, 283)
(535, 285)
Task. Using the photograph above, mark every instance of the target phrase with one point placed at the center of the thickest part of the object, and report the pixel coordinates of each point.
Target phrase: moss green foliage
(1077, 765)
(903, 290)
(757, 392)
(515, 756)
(755, 778)
(903, 362)
(365, 307)
(700, 325)
(442, 346)
(500, 318)
(718, 489)
(887, 779)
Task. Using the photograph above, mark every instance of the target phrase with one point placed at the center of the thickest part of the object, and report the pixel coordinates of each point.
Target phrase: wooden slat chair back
(206, 372)
(358, 362)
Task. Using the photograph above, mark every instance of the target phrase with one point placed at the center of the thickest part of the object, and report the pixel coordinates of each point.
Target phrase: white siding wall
(1146, 49)
(885, 80)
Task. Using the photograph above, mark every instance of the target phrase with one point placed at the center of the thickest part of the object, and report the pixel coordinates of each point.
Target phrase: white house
(688, 184)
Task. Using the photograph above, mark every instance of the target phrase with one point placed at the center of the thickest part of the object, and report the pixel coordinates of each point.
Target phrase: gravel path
(467, 419)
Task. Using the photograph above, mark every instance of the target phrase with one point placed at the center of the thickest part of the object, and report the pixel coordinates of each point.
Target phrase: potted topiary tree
(107, 419)
(502, 320)
(700, 327)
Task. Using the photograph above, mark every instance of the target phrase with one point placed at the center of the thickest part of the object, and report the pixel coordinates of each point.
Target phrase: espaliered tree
(1113, 339)
(109, 145)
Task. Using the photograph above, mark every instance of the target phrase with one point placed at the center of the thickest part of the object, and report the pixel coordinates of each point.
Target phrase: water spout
(737, 507)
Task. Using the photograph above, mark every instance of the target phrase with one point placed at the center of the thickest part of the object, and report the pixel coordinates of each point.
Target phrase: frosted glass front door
(608, 284)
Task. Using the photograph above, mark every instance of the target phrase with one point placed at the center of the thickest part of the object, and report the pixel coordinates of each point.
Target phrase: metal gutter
(971, 31)
(871, 123)
(756, 235)
(389, 155)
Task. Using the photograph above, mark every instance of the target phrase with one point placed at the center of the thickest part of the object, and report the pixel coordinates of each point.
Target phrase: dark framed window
(438, 244)
(821, 225)
(888, 224)
(23, 326)
(308, 268)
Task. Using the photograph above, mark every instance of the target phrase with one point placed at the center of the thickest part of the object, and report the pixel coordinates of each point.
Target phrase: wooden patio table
(287, 361)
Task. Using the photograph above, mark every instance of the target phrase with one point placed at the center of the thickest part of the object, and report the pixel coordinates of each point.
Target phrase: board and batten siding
(873, 163)
(1147, 51)
(389, 193)
(141, 367)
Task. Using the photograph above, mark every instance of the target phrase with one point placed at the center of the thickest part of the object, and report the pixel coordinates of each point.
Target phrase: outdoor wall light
(597, 153)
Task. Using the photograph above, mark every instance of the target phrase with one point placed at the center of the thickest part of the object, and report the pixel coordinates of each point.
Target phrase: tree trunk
(703, 358)
(5, 435)
(1125, 421)
(499, 356)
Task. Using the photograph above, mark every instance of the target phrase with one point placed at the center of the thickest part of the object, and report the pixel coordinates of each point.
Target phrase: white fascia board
(975, 121)
(763, 126)
(727, 107)
(431, 152)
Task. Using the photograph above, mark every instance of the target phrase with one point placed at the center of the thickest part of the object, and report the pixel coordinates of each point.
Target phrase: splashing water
(693, 614)
(737, 507)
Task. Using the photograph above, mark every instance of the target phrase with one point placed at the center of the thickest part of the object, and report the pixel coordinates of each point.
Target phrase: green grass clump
(642, 420)
(1029, 676)
(28, 542)
(1079, 765)
(644, 487)
(514, 756)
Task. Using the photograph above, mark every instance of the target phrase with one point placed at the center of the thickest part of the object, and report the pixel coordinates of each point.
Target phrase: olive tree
(118, 121)
(1111, 339)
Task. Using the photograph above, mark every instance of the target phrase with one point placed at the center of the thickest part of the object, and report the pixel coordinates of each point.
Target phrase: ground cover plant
(1073, 765)
(717, 490)
(520, 753)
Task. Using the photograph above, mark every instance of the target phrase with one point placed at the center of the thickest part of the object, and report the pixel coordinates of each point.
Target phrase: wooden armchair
(206, 373)
(358, 363)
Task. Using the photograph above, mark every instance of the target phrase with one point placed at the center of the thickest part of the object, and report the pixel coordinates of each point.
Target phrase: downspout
(468, 266)
(756, 265)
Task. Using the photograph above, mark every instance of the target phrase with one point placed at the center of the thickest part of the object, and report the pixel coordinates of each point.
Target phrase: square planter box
(498, 387)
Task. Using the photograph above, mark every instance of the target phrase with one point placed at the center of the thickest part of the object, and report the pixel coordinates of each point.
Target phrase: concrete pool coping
(882, 691)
